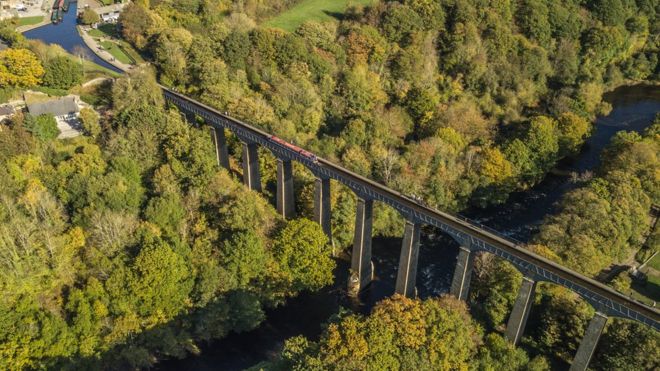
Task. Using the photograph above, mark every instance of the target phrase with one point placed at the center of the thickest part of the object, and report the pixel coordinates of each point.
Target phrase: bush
(62, 73)
(89, 16)
(43, 127)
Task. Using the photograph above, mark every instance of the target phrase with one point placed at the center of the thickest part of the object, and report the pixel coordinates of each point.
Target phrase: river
(66, 35)
(633, 108)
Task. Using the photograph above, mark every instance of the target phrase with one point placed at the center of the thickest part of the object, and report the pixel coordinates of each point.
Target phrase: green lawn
(93, 70)
(655, 262)
(28, 21)
(104, 30)
(648, 293)
(312, 10)
(116, 52)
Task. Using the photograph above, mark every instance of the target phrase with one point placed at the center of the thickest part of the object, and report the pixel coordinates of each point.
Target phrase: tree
(533, 19)
(90, 122)
(62, 73)
(43, 127)
(302, 251)
(89, 16)
(573, 130)
(170, 52)
(138, 24)
(160, 281)
(137, 90)
(404, 334)
(361, 91)
(167, 212)
(543, 142)
(610, 12)
(627, 345)
(19, 68)
(236, 48)
(399, 22)
(244, 257)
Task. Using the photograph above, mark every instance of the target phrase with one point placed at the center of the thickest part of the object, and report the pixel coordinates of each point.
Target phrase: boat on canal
(56, 13)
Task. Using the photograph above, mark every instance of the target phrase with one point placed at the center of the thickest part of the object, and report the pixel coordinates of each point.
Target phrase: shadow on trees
(232, 332)
(237, 311)
(336, 15)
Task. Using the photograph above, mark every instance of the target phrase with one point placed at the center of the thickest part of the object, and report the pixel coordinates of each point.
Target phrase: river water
(66, 35)
(633, 108)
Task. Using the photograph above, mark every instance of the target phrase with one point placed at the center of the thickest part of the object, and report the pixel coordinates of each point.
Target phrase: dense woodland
(128, 244)
(459, 102)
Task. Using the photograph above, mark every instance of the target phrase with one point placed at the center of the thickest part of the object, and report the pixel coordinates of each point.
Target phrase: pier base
(361, 272)
(406, 277)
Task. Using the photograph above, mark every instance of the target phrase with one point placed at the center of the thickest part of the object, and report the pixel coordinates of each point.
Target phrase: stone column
(516, 325)
(251, 177)
(285, 200)
(221, 153)
(460, 284)
(361, 271)
(407, 274)
(322, 207)
(589, 342)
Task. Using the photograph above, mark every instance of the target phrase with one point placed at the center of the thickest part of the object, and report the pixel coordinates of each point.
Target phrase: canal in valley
(65, 34)
(633, 109)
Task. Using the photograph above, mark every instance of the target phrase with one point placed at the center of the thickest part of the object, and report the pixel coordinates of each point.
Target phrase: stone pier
(220, 142)
(518, 318)
(589, 342)
(285, 196)
(322, 207)
(361, 272)
(460, 284)
(406, 277)
(251, 176)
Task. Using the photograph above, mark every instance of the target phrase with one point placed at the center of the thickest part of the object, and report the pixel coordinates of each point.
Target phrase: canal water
(66, 35)
(633, 109)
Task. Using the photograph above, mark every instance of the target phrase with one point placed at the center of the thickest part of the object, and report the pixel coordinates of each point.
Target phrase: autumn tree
(89, 17)
(62, 73)
(19, 68)
(303, 253)
(90, 121)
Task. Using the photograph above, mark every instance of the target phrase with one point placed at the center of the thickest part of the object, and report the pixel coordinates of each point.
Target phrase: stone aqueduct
(472, 238)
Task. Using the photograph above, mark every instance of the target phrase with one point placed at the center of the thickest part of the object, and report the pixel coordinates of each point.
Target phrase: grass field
(312, 10)
(93, 70)
(119, 49)
(648, 293)
(655, 262)
(116, 52)
(28, 21)
(104, 30)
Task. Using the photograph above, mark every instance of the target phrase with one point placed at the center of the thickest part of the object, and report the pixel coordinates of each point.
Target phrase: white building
(110, 13)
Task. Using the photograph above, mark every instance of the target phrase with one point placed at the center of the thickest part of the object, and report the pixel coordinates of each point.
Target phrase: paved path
(96, 81)
(103, 54)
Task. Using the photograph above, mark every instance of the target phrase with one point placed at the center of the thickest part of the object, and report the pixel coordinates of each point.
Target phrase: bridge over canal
(471, 237)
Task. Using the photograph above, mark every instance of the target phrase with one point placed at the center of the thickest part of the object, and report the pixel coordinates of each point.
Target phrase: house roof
(114, 8)
(56, 107)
